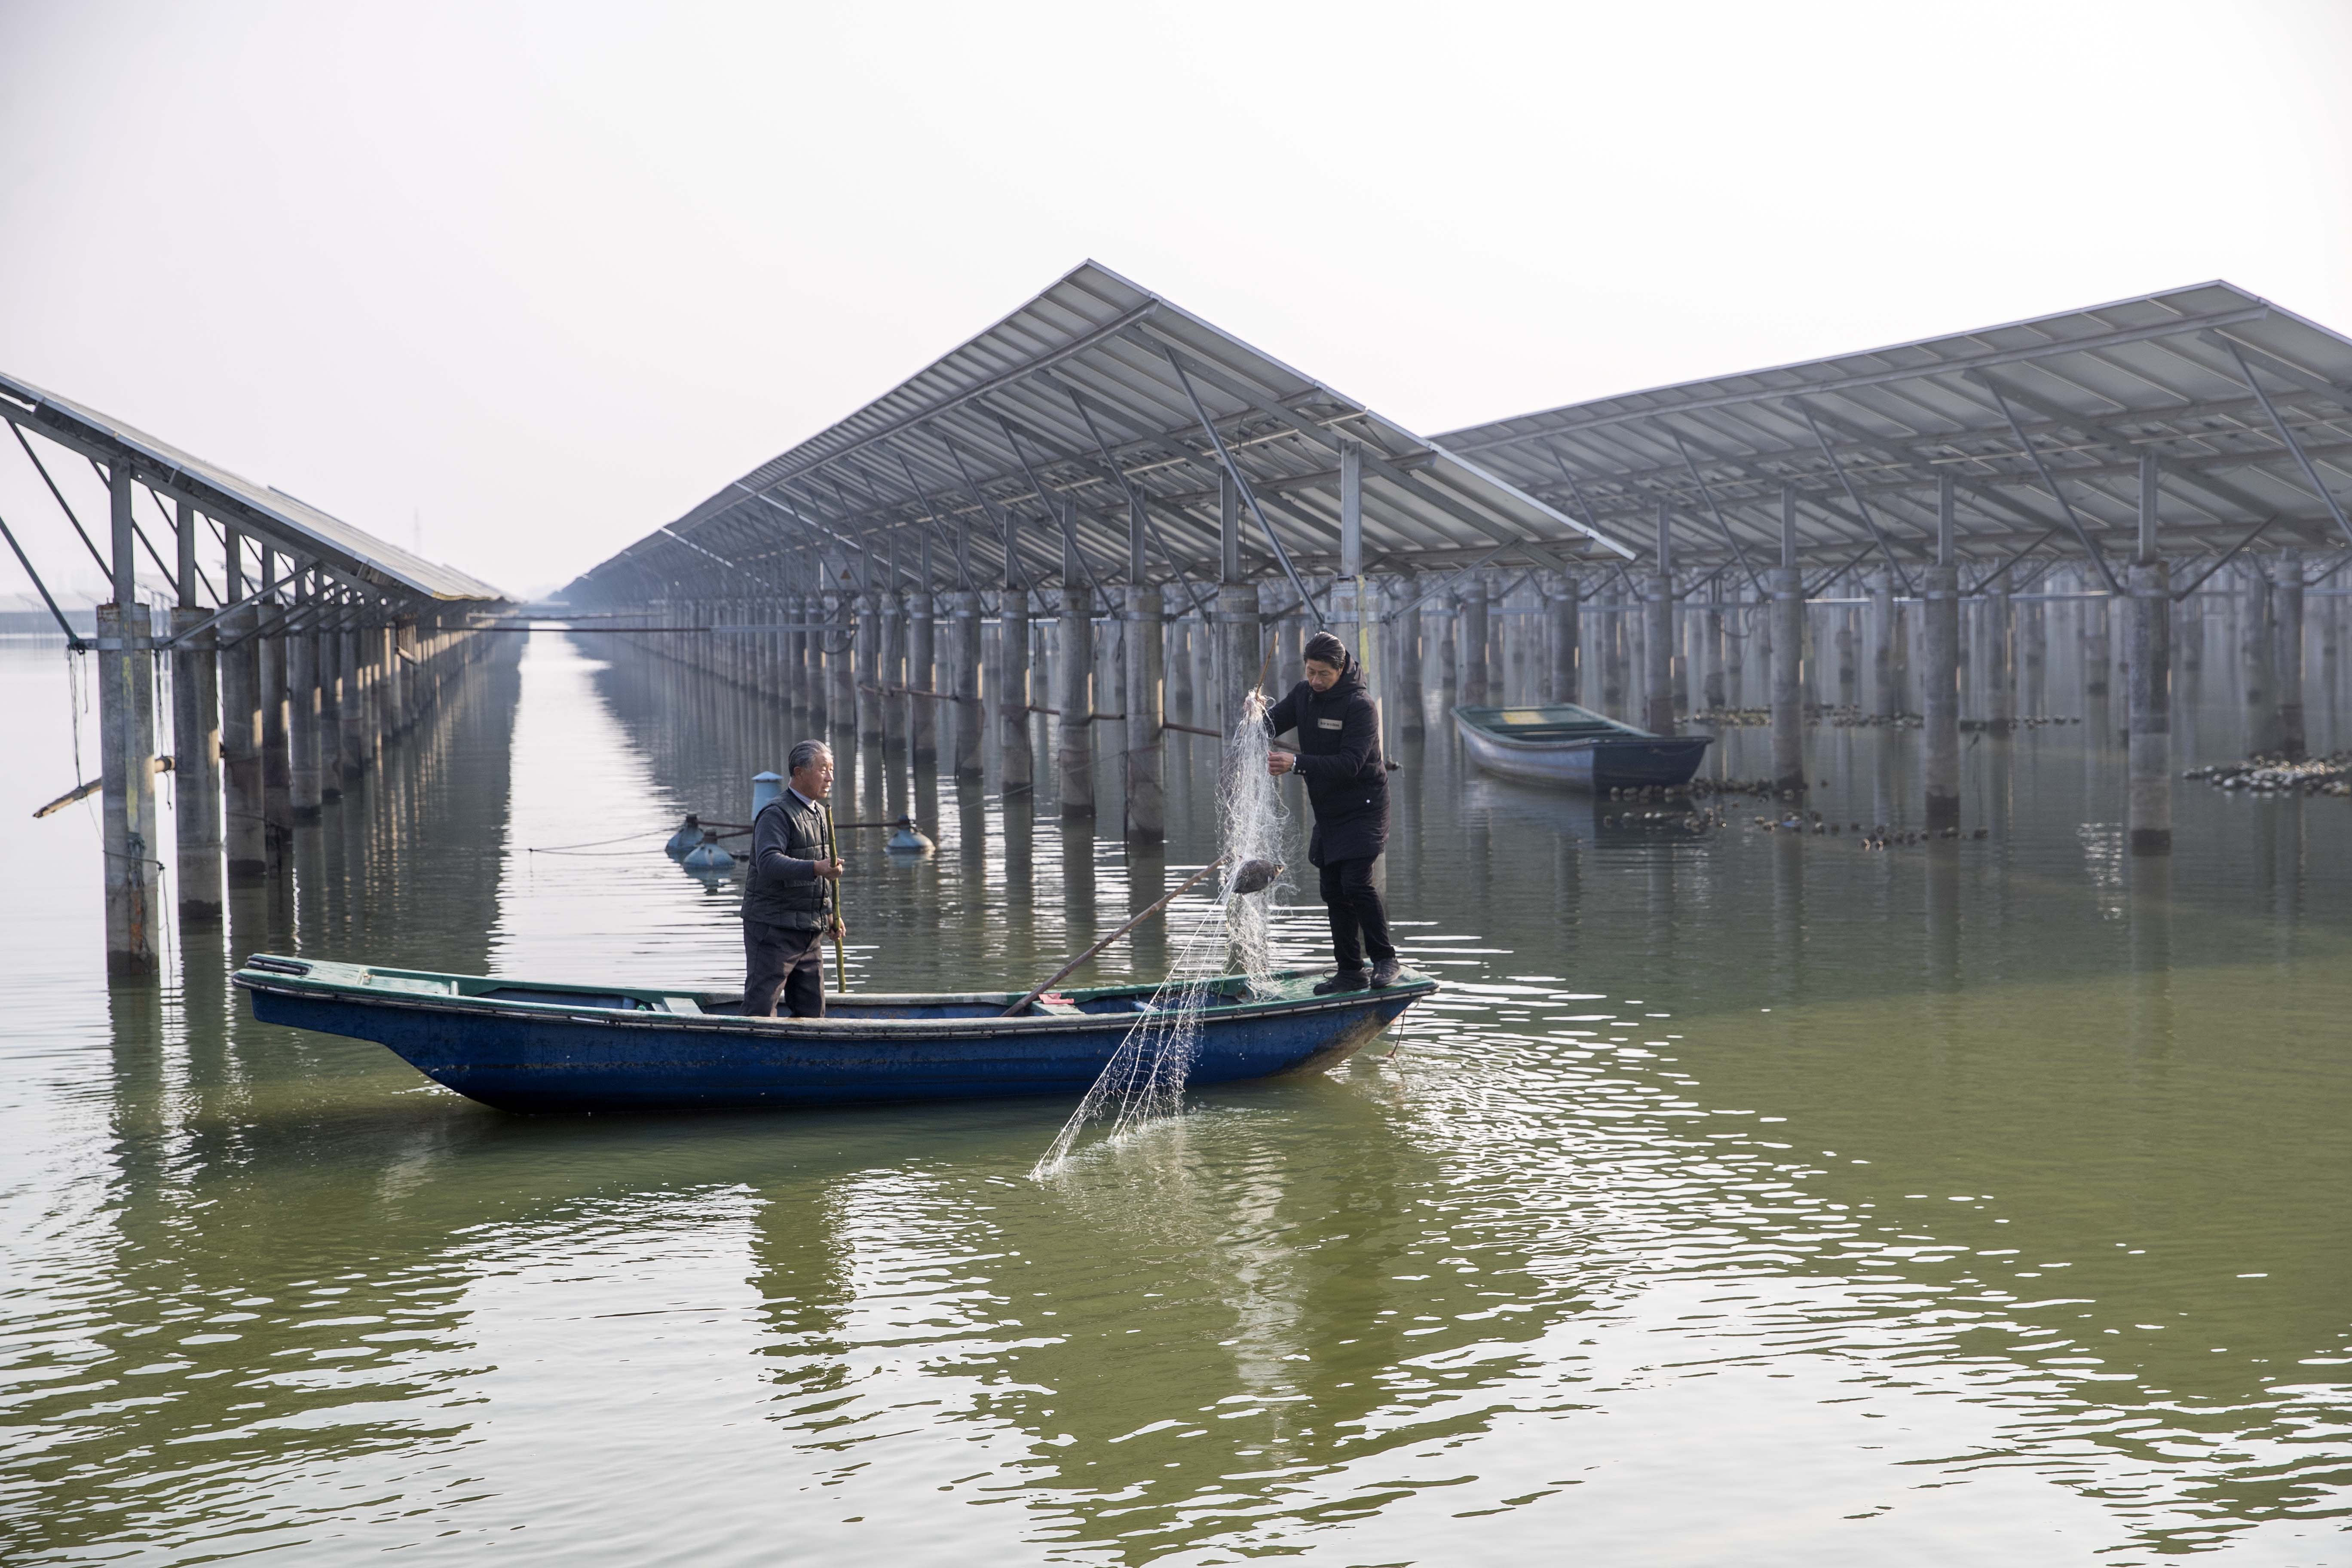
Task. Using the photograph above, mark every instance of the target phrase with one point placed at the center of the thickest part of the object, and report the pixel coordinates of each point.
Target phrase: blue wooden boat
(531, 1046)
(1576, 748)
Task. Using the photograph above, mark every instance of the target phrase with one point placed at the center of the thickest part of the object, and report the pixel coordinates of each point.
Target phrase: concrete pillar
(1241, 653)
(244, 811)
(1203, 712)
(793, 676)
(1412, 701)
(1012, 694)
(2286, 601)
(1566, 665)
(1177, 691)
(840, 661)
(1787, 659)
(277, 754)
(869, 668)
(1073, 749)
(305, 780)
(1147, 812)
(2033, 658)
(2150, 653)
(195, 737)
(894, 699)
(1849, 692)
(351, 703)
(327, 679)
(196, 766)
(1710, 650)
(1658, 649)
(399, 693)
(2098, 651)
(2001, 660)
(126, 703)
(922, 712)
(1741, 627)
(1471, 622)
(963, 680)
(1941, 694)
(1789, 673)
(2258, 653)
(1878, 631)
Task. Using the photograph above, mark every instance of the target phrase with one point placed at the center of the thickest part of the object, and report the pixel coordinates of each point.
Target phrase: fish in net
(1144, 1079)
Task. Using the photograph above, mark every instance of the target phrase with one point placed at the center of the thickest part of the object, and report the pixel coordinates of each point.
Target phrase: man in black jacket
(1347, 784)
(791, 901)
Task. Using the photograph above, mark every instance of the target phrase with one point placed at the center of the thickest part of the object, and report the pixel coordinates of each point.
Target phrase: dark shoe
(1345, 980)
(1384, 972)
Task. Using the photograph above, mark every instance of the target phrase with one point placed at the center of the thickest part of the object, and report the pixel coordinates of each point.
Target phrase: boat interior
(1560, 723)
(1113, 1000)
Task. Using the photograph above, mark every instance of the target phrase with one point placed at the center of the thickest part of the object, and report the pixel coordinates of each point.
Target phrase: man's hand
(837, 932)
(831, 871)
(1280, 762)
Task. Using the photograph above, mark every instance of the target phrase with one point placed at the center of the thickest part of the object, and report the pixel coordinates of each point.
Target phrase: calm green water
(1745, 1198)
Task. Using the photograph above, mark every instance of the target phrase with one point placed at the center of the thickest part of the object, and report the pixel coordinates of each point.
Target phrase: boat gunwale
(831, 1028)
(1626, 735)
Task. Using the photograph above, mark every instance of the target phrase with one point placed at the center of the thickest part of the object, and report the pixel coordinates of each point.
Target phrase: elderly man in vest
(790, 903)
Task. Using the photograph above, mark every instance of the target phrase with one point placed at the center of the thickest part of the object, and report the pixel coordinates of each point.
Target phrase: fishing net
(1144, 1079)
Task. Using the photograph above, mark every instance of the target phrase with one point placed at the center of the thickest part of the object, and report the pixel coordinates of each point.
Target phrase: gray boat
(1576, 748)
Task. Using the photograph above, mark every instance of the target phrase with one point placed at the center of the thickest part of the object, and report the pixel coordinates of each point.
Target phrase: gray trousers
(779, 959)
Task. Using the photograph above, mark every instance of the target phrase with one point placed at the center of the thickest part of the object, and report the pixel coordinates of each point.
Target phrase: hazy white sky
(542, 277)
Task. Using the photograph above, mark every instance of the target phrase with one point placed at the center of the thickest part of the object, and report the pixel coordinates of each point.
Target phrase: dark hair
(1325, 648)
(805, 754)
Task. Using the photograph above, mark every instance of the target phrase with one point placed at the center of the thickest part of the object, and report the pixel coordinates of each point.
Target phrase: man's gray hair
(805, 754)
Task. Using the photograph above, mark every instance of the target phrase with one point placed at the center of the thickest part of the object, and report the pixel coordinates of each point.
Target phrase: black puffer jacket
(1339, 758)
(788, 839)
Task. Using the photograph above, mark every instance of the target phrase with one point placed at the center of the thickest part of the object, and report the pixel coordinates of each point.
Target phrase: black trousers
(780, 959)
(1359, 921)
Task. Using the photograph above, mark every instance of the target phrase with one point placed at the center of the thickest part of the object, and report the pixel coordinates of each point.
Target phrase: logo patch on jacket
(1328, 723)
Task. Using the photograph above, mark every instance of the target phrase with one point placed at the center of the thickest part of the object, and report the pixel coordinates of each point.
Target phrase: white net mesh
(1144, 1079)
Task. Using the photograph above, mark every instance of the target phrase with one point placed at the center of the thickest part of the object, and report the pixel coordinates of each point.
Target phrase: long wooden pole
(840, 965)
(1056, 977)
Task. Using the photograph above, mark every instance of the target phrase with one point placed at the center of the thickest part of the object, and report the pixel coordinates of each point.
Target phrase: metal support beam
(2288, 436)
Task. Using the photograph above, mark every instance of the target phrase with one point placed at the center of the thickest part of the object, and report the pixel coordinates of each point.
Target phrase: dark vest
(798, 906)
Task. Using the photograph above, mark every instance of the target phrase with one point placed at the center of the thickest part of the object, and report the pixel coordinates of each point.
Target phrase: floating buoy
(709, 855)
(906, 838)
(688, 834)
